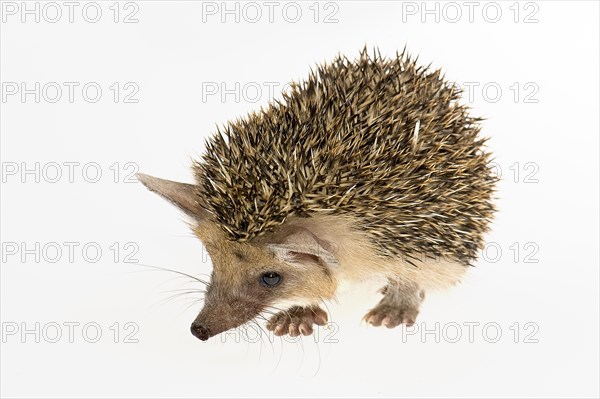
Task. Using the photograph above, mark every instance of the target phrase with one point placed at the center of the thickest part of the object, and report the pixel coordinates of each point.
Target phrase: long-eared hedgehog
(369, 168)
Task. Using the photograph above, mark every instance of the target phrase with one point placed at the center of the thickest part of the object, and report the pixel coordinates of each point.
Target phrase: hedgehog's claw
(296, 321)
(390, 316)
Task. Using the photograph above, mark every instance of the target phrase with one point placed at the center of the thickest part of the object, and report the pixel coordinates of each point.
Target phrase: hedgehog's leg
(400, 304)
(297, 320)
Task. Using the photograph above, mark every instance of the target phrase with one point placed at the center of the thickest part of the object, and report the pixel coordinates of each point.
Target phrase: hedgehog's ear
(301, 246)
(184, 195)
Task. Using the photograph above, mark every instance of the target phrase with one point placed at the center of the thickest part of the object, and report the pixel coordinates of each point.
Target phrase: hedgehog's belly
(359, 259)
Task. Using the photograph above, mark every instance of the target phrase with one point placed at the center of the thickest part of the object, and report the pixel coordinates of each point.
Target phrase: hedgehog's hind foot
(400, 305)
(297, 320)
(391, 316)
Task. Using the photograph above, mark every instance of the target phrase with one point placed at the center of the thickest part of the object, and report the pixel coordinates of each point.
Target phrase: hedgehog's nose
(200, 332)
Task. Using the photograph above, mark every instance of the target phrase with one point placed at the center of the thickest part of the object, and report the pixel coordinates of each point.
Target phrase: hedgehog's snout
(221, 314)
(205, 327)
(199, 331)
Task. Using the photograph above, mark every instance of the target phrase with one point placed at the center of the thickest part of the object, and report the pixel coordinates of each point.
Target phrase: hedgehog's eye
(270, 279)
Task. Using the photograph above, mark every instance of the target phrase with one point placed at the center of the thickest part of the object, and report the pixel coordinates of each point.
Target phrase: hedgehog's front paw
(391, 316)
(297, 320)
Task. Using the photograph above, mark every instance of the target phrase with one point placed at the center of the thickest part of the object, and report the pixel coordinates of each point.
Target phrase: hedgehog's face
(249, 278)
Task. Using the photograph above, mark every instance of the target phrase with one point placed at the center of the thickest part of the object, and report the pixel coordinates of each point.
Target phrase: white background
(548, 212)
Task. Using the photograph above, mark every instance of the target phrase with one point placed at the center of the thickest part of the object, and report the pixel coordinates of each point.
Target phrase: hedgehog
(369, 168)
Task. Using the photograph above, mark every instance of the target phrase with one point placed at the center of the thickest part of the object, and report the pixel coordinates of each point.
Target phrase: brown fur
(235, 294)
